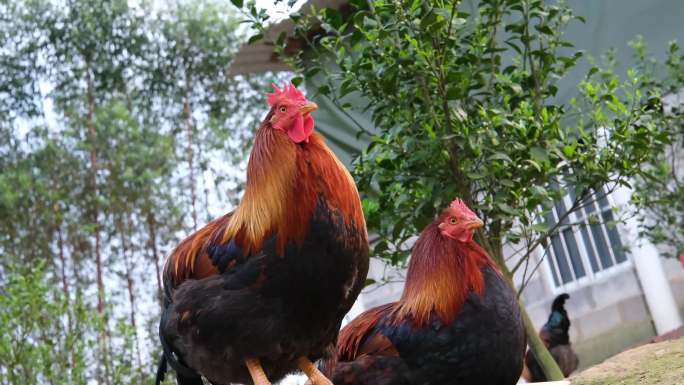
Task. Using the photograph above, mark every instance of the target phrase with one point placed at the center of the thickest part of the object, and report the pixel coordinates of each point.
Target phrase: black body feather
(276, 308)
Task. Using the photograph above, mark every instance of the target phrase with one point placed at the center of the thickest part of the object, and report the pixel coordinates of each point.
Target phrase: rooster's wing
(198, 256)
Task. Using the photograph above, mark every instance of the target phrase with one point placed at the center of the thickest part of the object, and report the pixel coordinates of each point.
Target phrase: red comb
(458, 204)
(289, 91)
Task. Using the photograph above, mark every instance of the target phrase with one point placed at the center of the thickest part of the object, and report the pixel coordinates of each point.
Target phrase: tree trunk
(62, 262)
(124, 232)
(207, 217)
(96, 211)
(187, 114)
(152, 228)
(60, 249)
(92, 133)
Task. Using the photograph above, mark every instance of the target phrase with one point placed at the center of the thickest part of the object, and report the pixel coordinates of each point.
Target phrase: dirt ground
(659, 362)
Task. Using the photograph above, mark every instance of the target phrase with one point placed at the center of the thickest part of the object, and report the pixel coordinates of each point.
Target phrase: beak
(475, 224)
(308, 107)
(441, 226)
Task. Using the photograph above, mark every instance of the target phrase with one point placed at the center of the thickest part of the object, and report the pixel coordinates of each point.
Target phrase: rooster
(555, 336)
(457, 321)
(261, 292)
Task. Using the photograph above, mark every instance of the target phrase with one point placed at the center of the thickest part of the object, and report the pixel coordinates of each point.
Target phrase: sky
(279, 10)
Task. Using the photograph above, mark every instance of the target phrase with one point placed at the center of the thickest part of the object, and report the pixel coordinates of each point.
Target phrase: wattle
(301, 129)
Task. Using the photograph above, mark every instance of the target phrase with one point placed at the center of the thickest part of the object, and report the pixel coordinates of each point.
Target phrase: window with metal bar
(587, 242)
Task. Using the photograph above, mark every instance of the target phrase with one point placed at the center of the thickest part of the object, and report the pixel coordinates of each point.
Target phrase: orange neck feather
(441, 274)
(284, 182)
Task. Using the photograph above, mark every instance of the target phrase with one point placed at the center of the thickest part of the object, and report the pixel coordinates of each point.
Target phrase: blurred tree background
(120, 130)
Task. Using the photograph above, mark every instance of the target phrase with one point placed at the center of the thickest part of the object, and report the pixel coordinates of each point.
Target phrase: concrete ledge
(657, 363)
(596, 349)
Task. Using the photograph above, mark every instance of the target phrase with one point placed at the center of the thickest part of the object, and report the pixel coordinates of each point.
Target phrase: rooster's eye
(452, 220)
(283, 109)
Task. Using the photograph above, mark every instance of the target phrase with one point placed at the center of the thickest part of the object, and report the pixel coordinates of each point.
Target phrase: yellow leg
(256, 371)
(311, 371)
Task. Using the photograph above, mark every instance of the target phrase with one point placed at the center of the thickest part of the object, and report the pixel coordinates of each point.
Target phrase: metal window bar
(614, 237)
(562, 262)
(574, 253)
(553, 255)
(575, 241)
(588, 246)
(595, 246)
(585, 243)
(601, 246)
(603, 206)
(560, 247)
(560, 210)
(554, 274)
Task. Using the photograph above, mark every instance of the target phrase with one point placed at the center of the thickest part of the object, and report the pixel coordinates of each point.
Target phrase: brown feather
(190, 259)
(379, 345)
(440, 275)
(352, 340)
(282, 199)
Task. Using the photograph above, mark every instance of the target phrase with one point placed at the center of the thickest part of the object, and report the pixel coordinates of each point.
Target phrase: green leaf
(545, 29)
(539, 191)
(569, 149)
(453, 93)
(255, 38)
(539, 154)
(500, 156)
(281, 38)
(297, 80)
(506, 208)
(534, 164)
(237, 3)
(476, 175)
(507, 182)
(540, 227)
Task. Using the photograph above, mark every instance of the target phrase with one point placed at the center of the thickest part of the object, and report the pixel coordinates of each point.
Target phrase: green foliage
(47, 338)
(96, 102)
(40, 332)
(660, 192)
(463, 100)
(89, 47)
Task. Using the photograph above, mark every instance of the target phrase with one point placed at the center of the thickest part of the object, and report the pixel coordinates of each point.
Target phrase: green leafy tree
(37, 344)
(89, 45)
(463, 99)
(94, 175)
(660, 192)
(195, 46)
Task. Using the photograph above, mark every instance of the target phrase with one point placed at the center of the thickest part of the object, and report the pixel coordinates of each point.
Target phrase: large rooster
(457, 321)
(261, 291)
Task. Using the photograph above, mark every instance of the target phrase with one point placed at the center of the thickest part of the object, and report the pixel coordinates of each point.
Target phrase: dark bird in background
(555, 336)
(457, 322)
(261, 292)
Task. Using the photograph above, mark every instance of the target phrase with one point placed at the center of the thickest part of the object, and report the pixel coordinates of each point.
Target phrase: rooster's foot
(256, 371)
(311, 371)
